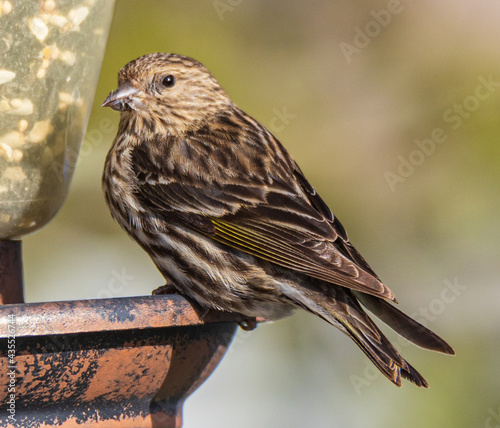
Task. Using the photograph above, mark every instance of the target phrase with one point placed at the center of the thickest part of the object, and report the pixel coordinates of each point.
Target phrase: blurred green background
(356, 94)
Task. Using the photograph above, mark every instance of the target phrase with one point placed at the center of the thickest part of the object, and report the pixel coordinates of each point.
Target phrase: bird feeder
(125, 362)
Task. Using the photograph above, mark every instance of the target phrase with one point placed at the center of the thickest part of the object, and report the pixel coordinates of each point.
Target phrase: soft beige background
(433, 238)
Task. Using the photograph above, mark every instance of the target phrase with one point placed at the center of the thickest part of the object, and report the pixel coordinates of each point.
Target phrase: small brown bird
(229, 218)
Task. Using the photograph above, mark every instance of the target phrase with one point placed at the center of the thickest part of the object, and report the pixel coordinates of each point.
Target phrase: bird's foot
(201, 311)
(245, 323)
(248, 323)
(165, 289)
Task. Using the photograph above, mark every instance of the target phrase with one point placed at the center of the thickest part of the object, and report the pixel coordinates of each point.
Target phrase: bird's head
(168, 93)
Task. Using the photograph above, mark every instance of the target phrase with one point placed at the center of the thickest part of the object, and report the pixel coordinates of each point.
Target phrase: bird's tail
(405, 326)
(385, 357)
(343, 310)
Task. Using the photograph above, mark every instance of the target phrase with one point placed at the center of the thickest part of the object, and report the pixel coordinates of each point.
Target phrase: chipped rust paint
(128, 362)
(86, 316)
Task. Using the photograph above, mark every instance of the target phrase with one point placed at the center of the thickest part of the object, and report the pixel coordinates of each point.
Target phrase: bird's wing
(299, 232)
(279, 219)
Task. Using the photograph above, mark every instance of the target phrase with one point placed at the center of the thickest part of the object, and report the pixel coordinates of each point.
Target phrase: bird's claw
(248, 324)
(165, 289)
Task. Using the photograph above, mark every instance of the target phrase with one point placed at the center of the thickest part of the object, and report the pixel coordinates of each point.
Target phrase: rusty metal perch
(124, 362)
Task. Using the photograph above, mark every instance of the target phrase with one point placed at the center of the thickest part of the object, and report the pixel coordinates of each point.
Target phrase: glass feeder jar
(50, 56)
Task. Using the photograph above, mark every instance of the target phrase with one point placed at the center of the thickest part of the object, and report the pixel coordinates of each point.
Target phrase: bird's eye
(168, 81)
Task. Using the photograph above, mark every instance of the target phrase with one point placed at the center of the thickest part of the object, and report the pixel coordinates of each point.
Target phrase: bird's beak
(125, 98)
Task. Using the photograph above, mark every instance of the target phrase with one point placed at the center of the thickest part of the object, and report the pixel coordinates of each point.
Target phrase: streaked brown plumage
(228, 217)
